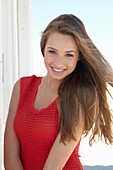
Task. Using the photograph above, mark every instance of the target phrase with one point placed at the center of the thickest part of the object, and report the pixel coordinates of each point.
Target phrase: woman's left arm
(60, 152)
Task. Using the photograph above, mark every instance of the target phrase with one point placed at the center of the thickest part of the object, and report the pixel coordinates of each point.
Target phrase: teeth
(57, 69)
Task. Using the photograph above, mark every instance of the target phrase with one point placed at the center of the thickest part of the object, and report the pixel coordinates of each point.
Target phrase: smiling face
(60, 55)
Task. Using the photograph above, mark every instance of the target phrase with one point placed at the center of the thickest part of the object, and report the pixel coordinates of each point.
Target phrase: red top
(37, 130)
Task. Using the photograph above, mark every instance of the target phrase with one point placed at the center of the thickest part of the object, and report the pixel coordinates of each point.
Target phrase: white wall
(25, 37)
(1, 100)
(16, 48)
(17, 45)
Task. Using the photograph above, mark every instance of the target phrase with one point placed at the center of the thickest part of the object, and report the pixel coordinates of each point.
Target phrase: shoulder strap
(28, 83)
(24, 83)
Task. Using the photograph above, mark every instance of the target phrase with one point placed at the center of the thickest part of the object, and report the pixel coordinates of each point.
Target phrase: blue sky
(97, 17)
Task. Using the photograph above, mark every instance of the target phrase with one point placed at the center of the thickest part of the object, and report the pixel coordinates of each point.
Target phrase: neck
(51, 84)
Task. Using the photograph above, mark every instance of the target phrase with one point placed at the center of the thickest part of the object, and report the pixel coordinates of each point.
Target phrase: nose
(59, 61)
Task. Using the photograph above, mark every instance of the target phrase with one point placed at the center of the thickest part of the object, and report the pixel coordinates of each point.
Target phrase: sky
(97, 17)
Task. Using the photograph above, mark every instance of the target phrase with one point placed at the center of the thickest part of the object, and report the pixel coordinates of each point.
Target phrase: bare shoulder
(13, 102)
(14, 98)
(13, 106)
(11, 142)
(16, 90)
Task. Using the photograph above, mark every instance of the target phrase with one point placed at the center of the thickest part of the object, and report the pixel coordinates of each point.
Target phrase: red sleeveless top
(37, 130)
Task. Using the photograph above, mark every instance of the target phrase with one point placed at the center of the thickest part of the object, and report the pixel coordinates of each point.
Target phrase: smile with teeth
(57, 70)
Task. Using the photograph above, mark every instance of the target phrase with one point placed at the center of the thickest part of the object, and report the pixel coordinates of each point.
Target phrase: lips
(58, 70)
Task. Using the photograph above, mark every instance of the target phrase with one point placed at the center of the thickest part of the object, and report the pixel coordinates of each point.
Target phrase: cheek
(44, 61)
(72, 64)
(47, 60)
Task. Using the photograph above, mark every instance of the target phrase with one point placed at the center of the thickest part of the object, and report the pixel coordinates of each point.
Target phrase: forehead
(62, 41)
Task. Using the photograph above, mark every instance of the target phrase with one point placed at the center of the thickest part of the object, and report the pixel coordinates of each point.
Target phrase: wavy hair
(86, 86)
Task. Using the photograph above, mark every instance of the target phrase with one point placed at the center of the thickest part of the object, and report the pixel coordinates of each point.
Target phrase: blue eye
(69, 55)
(53, 52)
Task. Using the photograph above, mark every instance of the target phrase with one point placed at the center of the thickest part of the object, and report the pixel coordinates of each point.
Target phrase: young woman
(48, 115)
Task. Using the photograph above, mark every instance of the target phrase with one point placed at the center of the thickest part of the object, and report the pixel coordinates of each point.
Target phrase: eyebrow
(52, 48)
(65, 51)
(71, 51)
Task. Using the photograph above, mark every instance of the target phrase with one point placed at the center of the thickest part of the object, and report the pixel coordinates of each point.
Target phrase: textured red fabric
(37, 130)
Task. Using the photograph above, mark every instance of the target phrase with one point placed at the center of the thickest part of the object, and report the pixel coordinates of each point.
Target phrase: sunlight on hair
(99, 153)
(110, 100)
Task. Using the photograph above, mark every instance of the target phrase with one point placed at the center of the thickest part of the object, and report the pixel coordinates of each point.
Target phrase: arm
(11, 142)
(60, 153)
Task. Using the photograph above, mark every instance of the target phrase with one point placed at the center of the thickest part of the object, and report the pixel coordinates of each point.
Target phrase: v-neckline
(34, 97)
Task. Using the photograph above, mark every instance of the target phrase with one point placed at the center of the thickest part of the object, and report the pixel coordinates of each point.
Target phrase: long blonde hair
(85, 86)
